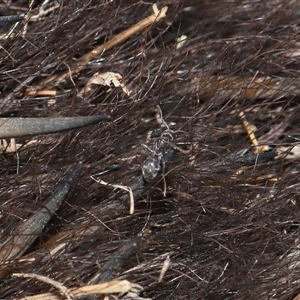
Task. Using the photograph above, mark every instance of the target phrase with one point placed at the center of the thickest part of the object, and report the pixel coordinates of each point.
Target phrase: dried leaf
(105, 79)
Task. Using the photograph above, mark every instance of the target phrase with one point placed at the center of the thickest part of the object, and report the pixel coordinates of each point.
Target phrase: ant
(162, 152)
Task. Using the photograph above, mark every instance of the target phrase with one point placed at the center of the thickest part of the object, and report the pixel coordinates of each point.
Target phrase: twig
(110, 287)
(63, 290)
(85, 59)
(118, 186)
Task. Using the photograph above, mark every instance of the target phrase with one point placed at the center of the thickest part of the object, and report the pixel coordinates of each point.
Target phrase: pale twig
(63, 290)
(86, 58)
(164, 268)
(105, 288)
(118, 186)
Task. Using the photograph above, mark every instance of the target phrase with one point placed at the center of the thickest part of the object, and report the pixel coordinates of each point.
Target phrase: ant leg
(175, 147)
(160, 118)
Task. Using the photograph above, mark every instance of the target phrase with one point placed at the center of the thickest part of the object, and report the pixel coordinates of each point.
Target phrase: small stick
(164, 268)
(248, 129)
(63, 290)
(118, 186)
(105, 288)
(86, 58)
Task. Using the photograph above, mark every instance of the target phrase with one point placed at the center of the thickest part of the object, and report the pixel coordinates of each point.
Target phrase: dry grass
(222, 220)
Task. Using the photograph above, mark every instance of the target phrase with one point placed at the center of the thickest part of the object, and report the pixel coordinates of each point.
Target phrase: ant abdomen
(151, 168)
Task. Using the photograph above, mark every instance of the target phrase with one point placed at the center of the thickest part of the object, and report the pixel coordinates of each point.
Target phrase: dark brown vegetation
(229, 219)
